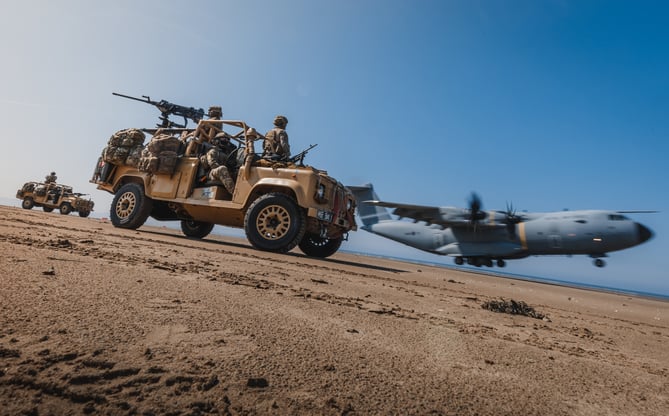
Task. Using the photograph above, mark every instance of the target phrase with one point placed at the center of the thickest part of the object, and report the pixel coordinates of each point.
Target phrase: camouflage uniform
(276, 140)
(205, 131)
(214, 160)
(51, 177)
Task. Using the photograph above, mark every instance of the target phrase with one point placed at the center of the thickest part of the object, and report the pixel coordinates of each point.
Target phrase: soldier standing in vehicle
(206, 130)
(214, 161)
(51, 177)
(276, 140)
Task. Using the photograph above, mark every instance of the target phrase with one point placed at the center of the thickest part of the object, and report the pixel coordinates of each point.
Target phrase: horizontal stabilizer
(369, 214)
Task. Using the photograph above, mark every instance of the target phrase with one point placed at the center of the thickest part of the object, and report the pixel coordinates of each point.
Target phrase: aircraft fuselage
(591, 232)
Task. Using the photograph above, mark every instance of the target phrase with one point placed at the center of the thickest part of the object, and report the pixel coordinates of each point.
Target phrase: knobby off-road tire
(47, 209)
(316, 246)
(27, 203)
(196, 229)
(274, 222)
(65, 208)
(84, 214)
(130, 207)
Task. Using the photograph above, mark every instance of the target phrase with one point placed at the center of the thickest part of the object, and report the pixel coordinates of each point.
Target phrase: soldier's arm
(212, 158)
(283, 137)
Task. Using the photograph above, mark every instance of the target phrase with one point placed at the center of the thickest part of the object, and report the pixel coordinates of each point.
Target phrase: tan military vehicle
(280, 205)
(51, 195)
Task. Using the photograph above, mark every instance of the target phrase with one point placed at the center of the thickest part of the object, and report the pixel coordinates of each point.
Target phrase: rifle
(300, 156)
(167, 109)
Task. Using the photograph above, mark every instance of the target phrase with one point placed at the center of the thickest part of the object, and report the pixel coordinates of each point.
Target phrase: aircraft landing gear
(479, 261)
(599, 263)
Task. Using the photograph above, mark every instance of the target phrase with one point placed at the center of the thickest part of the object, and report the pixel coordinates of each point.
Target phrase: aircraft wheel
(459, 261)
(501, 263)
(65, 208)
(47, 209)
(130, 207)
(27, 203)
(196, 229)
(315, 246)
(487, 262)
(275, 223)
(599, 263)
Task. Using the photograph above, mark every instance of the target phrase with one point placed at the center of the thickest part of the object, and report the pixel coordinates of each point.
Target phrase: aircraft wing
(417, 212)
(443, 216)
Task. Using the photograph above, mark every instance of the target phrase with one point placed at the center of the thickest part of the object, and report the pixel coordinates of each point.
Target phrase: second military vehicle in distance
(279, 204)
(51, 195)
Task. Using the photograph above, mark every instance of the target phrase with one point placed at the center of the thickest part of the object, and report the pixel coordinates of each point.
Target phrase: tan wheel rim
(125, 205)
(273, 222)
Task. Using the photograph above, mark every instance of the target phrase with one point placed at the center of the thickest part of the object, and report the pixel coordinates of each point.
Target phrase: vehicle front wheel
(27, 203)
(65, 208)
(47, 209)
(315, 246)
(130, 207)
(275, 223)
(84, 214)
(196, 229)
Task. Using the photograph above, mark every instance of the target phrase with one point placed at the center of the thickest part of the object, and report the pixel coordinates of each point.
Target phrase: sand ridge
(100, 320)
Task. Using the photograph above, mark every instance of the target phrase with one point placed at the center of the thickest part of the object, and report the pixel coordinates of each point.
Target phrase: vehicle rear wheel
(130, 207)
(196, 229)
(316, 246)
(47, 209)
(65, 208)
(27, 203)
(275, 223)
(84, 214)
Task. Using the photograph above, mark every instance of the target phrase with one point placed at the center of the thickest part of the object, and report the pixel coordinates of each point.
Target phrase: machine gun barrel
(300, 156)
(167, 109)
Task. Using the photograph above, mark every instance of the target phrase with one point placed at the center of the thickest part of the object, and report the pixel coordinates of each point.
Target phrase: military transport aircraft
(482, 237)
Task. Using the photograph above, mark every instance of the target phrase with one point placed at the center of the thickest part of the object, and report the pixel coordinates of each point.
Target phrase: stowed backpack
(160, 155)
(124, 147)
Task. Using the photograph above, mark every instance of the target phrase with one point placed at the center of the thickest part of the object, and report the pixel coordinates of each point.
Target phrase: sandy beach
(100, 320)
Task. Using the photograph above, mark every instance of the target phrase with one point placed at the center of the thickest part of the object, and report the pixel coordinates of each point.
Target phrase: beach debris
(257, 382)
(512, 307)
(50, 272)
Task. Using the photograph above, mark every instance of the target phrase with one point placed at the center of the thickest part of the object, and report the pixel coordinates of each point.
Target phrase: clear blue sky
(548, 104)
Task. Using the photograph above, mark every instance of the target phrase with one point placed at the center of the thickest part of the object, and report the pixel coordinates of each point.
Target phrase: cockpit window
(617, 217)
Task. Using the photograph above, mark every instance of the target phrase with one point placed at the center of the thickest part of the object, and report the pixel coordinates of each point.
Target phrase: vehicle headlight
(320, 192)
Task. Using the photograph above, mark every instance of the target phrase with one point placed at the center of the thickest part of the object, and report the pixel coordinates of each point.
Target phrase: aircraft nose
(645, 233)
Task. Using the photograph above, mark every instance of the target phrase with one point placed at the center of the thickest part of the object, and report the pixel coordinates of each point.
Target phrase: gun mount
(168, 109)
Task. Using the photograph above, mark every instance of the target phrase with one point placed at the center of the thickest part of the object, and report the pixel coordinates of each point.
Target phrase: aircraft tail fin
(369, 214)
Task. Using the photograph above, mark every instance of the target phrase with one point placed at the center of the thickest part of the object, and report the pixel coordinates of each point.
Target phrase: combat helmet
(215, 111)
(280, 121)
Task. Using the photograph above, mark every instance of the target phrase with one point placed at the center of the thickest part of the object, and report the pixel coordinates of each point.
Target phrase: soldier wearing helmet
(51, 178)
(215, 112)
(205, 131)
(276, 144)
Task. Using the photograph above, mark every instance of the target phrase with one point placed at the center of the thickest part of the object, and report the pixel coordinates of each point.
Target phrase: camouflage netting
(124, 147)
(160, 154)
(512, 307)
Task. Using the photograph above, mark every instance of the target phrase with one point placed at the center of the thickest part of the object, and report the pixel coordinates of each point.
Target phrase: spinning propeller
(511, 219)
(475, 205)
